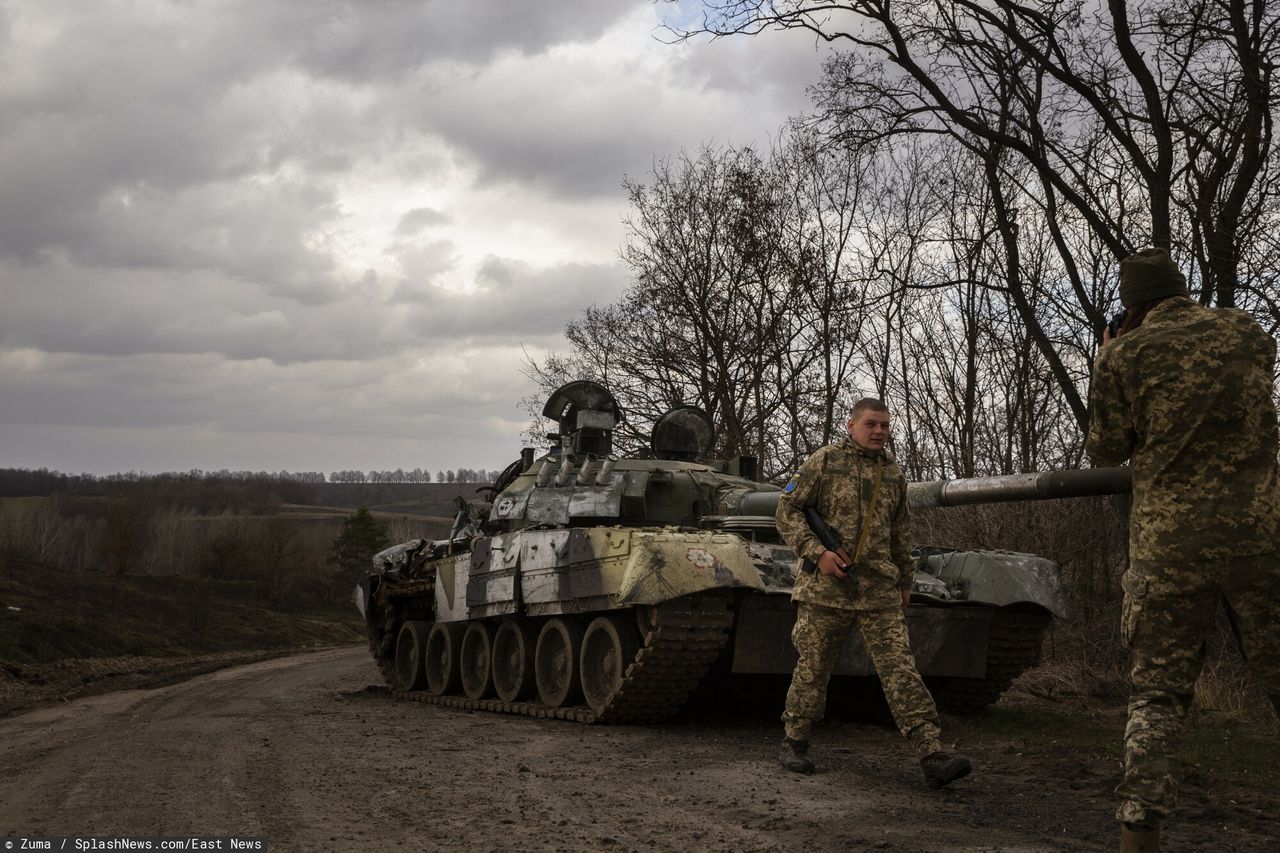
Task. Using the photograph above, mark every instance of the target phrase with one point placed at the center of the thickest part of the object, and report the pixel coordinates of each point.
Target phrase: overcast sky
(275, 234)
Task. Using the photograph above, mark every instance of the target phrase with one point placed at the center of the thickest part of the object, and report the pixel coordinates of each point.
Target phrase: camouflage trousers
(820, 635)
(1169, 609)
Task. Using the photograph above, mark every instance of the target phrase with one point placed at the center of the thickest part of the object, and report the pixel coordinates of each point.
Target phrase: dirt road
(304, 751)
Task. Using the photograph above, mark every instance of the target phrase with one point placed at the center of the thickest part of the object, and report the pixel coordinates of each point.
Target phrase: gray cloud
(379, 397)
(174, 412)
(62, 308)
(419, 218)
(573, 127)
(770, 69)
(106, 110)
(237, 232)
(75, 310)
(423, 262)
(516, 301)
(373, 40)
(571, 144)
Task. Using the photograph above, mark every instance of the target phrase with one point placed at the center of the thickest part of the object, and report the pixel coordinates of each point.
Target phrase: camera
(1114, 324)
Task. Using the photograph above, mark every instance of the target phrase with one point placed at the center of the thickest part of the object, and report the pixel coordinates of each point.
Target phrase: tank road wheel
(443, 659)
(513, 661)
(555, 663)
(411, 648)
(609, 646)
(477, 658)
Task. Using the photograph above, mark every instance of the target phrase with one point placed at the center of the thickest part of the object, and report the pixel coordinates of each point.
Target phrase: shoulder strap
(870, 514)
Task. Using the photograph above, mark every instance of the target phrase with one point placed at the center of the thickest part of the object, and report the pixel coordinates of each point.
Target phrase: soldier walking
(862, 494)
(1186, 392)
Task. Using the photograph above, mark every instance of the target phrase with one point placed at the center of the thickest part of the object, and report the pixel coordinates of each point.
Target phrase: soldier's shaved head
(867, 404)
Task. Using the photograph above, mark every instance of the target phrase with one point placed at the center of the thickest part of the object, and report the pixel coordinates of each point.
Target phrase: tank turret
(579, 480)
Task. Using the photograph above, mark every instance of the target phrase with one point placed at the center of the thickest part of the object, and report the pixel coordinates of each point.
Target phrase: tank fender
(400, 557)
(1000, 578)
(668, 564)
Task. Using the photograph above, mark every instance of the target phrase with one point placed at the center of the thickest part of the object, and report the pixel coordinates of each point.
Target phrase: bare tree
(944, 231)
(1152, 91)
(1142, 122)
(128, 532)
(281, 557)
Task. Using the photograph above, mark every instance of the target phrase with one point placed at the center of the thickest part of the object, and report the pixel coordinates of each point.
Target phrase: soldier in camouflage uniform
(862, 494)
(1186, 392)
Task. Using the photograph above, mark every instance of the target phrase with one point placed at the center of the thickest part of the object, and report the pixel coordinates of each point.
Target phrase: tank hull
(678, 605)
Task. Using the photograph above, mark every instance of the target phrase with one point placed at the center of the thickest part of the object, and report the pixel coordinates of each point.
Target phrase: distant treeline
(210, 527)
(417, 475)
(218, 490)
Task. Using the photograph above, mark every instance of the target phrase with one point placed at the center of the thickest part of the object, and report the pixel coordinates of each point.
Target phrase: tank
(592, 587)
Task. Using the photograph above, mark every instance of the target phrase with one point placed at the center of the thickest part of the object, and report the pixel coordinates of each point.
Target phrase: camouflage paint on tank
(1001, 578)
(549, 572)
(672, 564)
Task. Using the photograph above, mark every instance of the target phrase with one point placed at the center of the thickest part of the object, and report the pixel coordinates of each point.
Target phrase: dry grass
(1085, 663)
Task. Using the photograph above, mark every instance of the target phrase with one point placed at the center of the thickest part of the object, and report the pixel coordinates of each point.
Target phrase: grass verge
(1215, 746)
(65, 634)
(48, 614)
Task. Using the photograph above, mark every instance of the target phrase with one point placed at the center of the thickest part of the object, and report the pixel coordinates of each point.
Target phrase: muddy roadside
(312, 752)
(67, 634)
(24, 687)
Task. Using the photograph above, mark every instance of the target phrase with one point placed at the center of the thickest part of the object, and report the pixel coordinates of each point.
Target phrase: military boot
(795, 756)
(1136, 838)
(941, 769)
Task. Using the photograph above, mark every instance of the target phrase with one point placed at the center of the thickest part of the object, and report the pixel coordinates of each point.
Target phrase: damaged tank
(600, 588)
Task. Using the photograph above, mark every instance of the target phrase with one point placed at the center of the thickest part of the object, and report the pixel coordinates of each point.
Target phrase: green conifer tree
(362, 536)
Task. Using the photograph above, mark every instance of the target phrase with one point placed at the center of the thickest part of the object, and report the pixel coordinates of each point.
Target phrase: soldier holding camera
(1186, 393)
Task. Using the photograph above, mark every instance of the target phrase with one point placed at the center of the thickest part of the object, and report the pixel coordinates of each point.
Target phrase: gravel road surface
(307, 751)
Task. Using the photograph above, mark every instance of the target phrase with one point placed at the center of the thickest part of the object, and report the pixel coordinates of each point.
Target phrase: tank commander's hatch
(586, 413)
(684, 434)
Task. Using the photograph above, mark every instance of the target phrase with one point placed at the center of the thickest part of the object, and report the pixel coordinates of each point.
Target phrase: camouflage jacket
(838, 480)
(1187, 395)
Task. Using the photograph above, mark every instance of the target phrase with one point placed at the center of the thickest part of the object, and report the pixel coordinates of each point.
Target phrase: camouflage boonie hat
(1149, 274)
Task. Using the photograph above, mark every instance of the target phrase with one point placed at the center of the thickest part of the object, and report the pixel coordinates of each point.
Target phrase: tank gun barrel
(1043, 485)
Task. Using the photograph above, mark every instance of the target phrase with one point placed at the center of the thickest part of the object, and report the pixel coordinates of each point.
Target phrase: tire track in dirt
(304, 751)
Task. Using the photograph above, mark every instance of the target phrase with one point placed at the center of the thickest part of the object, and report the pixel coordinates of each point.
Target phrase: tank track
(1013, 646)
(680, 642)
(397, 606)
(380, 643)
